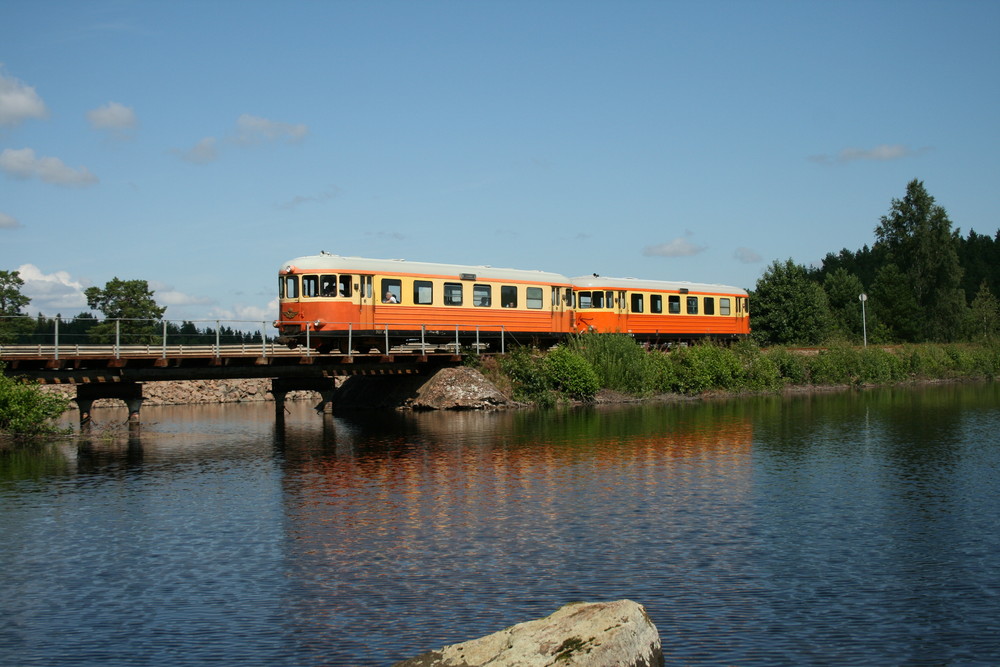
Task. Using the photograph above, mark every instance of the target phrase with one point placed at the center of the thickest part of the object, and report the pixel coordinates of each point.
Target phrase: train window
(709, 305)
(533, 297)
(655, 303)
(568, 297)
(674, 304)
(556, 291)
(310, 285)
(584, 299)
(508, 296)
(597, 300)
(482, 295)
(637, 303)
(453, 294)
(328, 285)
(345, 285)
(723, 306)
(692, 305)
(392, 290)
(423, 292)
(291, 290)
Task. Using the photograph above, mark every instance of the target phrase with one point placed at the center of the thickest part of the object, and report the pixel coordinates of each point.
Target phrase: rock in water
(591, 634)
(459, 388)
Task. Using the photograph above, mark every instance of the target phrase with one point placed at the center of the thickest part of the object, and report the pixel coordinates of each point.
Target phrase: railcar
(329, 302)
(660, 312)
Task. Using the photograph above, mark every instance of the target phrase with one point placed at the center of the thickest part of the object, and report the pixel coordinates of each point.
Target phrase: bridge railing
(90, 336)
(21, 335)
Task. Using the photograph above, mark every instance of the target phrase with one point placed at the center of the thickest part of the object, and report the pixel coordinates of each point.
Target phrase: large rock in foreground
(591, 634)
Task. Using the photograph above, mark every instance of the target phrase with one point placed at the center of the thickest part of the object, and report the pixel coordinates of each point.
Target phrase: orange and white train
(334, 303)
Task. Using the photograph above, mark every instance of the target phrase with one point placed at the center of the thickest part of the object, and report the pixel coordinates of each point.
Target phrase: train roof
(341, 264)
(602, 282)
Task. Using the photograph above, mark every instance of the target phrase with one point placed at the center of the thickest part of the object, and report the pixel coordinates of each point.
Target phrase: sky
(201, 145)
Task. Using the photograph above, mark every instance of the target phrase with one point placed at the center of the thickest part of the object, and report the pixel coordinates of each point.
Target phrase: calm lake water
(844, 528)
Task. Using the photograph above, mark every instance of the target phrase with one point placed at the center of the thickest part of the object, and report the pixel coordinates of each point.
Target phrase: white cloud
(247, 318)
(8, 221)
(747, 256)
(113, 116)
(250, 130)
(678, 247)
(254, 129)
(880, 153)
(326, 195)
(52, 293)
(18, 101)
(22, 163)
(202, 153)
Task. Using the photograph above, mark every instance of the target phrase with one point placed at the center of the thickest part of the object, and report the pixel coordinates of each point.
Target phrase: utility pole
(864, 322)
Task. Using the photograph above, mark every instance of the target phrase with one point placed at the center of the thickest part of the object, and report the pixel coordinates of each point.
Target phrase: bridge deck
(84, 364)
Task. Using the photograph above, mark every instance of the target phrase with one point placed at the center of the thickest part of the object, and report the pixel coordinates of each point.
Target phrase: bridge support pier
(129, 392)
(326, 386)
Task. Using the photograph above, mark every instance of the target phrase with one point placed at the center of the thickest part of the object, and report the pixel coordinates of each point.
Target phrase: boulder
(460, 388)
(591, 634)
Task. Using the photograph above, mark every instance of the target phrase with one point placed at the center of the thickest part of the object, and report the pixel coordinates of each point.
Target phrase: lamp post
(864, 322)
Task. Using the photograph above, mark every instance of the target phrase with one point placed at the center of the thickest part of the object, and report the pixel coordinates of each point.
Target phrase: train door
(366, 299)
(621, 312)
(561, 310)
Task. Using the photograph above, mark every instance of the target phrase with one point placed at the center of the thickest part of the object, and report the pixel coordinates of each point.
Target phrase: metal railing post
(350, 339)
(164, 339)
(218, 349)
(56, 339)
(423, 345)
(458, 345)
(477, 339)
(501, 339)
(387, 338)
(309, 347)
(118, 338)
(263, 340)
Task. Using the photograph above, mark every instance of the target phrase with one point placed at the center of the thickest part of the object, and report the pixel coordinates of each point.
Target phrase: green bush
(877, 366)
(570, 373)
(792, 368)
(926, 361)
(529, 381)
(839, 364)
(620, 363)
(27, 410)
(663, 371)
(704, 367)
(760, 373)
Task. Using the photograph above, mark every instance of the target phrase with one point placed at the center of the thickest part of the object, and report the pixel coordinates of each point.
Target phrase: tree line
(131, 317)
(921, 280)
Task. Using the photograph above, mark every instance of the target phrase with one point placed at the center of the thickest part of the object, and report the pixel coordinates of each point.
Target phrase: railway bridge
(119, 372)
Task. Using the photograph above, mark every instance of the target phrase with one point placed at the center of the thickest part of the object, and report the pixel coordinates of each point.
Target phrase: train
(336, 304)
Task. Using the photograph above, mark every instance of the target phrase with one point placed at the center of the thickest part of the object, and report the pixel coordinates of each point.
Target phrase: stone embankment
(194, 391)
(591, 634)
(449, 389)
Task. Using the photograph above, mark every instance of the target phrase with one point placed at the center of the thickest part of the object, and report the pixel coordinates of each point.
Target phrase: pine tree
(918, 238)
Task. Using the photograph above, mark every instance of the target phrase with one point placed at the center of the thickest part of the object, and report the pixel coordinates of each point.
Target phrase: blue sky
(199, 145)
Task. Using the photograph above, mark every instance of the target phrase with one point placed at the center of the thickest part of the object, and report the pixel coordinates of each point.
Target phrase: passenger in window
(389, 297)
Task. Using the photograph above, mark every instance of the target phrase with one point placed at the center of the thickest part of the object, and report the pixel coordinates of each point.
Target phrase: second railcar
(660, 311)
